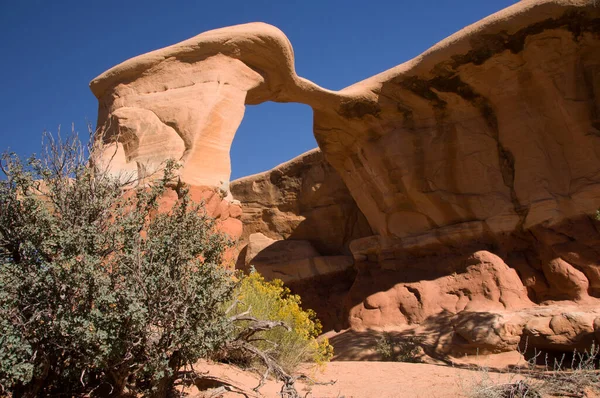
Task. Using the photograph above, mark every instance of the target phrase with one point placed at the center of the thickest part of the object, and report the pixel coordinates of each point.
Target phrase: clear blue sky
(51, 49)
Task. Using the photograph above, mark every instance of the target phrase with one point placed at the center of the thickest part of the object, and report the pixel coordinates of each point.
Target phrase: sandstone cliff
(302, 199)
(298, 221)
(476, 166)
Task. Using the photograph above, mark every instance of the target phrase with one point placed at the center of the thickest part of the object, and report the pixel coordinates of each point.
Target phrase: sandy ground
(357, 380)
(358, 372)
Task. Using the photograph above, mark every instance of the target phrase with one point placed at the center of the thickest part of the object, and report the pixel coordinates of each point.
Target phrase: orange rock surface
(303, 199)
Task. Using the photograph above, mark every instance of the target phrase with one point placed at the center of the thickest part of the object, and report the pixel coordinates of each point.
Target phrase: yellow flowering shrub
(273, 301)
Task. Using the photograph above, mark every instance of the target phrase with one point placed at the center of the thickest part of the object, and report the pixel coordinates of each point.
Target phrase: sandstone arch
(451, 108)
(197, 89)
(480, 157)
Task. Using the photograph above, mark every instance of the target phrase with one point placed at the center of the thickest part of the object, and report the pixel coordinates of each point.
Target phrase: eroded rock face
(476, 166)
(291, 260)
(299, 220)
(189, 116)
(186, 101)
(476, 282)
(489, 137)
(303, 199)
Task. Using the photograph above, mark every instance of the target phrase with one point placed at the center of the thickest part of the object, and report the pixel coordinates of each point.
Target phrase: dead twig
(243, 343)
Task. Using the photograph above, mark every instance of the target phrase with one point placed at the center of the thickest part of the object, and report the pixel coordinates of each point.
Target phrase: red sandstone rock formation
(226, 212)
(476, 165)
(299, 220)
(301, 199)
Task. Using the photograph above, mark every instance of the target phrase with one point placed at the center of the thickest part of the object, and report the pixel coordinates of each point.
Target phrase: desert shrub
(385, 347)
(516, 389)
(273, 301)
(577, 377)
(399, 349)
(99, 290)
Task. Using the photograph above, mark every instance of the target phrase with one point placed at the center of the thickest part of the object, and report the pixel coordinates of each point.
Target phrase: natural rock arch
(186, 101)
(427, 144)
(479, 157)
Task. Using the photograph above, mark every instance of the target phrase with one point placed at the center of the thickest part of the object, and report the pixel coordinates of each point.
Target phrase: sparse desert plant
(103, 292)
(399, 349)
(273, 301)
(385, 347)
(98, 289)
(485, 387)
(576, 377)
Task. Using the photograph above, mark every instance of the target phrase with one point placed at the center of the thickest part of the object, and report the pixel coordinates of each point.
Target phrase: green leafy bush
(99, 290)
(399, 349)
(273, 301)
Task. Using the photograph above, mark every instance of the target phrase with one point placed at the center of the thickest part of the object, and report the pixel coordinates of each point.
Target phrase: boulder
(291, 261)
(263, 251)
(293, 272)
(413, 292)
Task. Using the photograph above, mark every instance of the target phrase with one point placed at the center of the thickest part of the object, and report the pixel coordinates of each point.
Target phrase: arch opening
(270, 134)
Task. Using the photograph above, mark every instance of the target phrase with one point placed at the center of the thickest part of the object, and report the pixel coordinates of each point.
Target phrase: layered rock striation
(303, 199)
(299, 220)
(476, 166)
